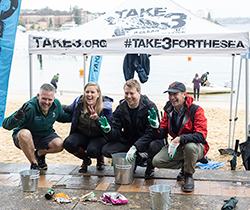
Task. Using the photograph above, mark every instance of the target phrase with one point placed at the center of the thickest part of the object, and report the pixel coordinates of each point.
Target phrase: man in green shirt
(54, 80)
(33, 126)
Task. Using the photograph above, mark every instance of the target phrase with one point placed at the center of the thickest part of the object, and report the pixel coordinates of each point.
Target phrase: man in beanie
(186, 123)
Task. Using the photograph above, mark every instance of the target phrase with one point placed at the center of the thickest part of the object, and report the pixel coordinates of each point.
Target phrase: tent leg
(231, 101)
(84, 67)
(236, 105)
(30, 69)
(230, 150)
(247, 96)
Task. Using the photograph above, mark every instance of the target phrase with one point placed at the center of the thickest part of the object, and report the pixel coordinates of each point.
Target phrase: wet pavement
(212, 187)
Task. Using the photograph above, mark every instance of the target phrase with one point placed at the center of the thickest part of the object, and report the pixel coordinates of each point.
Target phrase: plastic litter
(89, 197)
(108, 161)
(62, 198)
(230, 204)
(111, 198)
(212, 165)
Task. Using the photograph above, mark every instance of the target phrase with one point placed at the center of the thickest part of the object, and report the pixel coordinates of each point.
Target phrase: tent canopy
(155, 27)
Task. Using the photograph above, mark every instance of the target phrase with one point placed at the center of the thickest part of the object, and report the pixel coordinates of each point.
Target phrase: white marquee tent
(155, 27)
(152, 27)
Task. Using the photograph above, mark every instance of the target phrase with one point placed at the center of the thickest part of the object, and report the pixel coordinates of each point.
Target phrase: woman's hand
(93, 114)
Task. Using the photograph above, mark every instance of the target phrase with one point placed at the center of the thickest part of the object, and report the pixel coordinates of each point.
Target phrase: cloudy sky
(221, 8)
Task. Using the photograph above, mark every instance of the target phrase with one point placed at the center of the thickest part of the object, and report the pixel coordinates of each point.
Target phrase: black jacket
(121, 125)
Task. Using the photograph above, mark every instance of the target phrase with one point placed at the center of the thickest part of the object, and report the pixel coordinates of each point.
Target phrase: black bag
(245, 153)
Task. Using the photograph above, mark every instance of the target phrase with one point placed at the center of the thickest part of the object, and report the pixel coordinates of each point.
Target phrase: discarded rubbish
(62, 198)
(230, 204)
(211, 165)
(111, 198)
(108, 161)
(89, 197)
(49, 194)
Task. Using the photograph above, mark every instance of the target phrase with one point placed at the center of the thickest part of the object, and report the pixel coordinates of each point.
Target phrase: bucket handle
(164, 198)
(152, 194)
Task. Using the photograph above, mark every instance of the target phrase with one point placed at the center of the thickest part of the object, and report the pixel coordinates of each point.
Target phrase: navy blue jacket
(76, 107)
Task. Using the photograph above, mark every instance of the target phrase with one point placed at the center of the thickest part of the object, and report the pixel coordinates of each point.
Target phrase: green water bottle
(49, 194)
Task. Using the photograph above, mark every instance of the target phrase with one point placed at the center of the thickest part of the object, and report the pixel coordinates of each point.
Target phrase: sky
(220, 8)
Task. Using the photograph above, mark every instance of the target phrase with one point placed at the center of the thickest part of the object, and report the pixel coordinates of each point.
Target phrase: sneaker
(41, 161)
(34, 166)
(203, 160)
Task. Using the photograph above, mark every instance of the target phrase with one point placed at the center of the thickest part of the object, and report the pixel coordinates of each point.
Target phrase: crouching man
(33, 123)
(129, 130)
(186, 123)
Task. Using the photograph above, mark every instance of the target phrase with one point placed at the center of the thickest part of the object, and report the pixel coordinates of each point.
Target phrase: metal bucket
(160, 197)
(123, 170)
(29, 180)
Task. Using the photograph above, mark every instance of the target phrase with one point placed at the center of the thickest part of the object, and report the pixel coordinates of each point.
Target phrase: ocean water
(163, 71)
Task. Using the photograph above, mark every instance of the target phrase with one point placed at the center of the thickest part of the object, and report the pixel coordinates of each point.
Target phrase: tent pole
(231, 101)
(30, 69)
(247, 96)
(84, 67)
(237, 99)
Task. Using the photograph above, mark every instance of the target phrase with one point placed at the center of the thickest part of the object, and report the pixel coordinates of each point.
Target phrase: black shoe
(34, 166)
(149, 173)
(203, 160)
(141, 159)
(181, 176)
(189, 183)
(41, 161)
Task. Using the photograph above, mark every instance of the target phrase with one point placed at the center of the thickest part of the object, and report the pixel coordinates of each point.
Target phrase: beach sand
(217, 113)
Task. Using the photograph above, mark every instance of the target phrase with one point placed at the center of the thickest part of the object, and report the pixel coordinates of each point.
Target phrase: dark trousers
(93, 145)
(115, 147)
(54, 84)
(198, 93)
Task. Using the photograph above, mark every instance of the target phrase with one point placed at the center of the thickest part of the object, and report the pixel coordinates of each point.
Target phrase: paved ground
(212, 187)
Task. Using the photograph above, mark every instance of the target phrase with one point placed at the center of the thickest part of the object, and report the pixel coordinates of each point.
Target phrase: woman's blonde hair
(99, 102)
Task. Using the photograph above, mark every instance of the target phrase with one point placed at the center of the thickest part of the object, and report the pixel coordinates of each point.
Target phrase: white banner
(230, 43)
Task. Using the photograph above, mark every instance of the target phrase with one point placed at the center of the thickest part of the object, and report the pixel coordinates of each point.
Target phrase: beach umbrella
(245, 153)
(233, 162)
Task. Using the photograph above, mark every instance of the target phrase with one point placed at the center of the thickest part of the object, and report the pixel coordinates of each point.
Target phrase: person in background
(33, 123)
(196, 82)
(186, 123)
(54, 80)
(204, 79)
(86, 138)
(129, 130)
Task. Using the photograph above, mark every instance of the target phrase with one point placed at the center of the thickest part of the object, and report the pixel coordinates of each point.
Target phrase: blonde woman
(86, 137)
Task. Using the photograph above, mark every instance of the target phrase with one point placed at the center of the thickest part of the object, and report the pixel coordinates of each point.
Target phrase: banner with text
(228, 43)
(95, 67)
(9, 15)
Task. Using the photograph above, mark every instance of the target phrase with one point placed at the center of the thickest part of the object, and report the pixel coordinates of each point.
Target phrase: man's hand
(172, 148)
(22, 111)
(130, 156)
(153, 119)
(105, 125)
